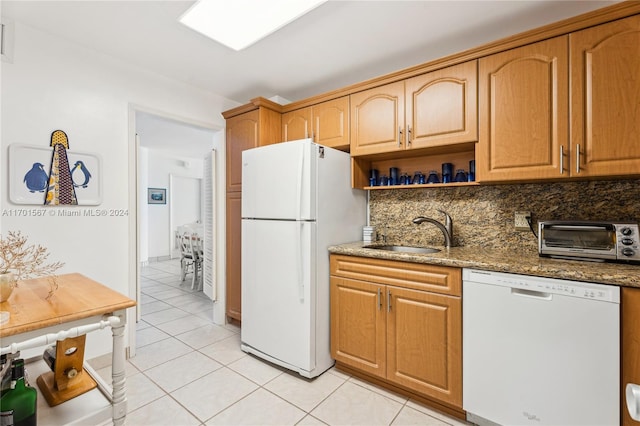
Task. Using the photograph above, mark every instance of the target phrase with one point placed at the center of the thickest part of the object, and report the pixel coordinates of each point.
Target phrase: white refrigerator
(297, 200)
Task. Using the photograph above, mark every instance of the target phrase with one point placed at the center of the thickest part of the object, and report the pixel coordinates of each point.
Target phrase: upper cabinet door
(442, 107)
(242, 133)
(296, 124)
(331, 123)
(605, 105)
(523, 95)
(377, 120)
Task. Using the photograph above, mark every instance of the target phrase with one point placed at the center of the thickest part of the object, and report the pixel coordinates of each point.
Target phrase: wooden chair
(191, 259)
(186, 256)
(198, 259)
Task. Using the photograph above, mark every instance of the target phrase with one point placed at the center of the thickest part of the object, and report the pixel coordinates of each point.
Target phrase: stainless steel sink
(406, 249)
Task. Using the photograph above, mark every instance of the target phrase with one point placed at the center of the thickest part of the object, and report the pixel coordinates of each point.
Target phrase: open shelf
(92, 407)
(426, 185)
(409, 161)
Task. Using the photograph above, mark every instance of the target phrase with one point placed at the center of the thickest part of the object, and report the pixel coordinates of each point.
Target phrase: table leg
(119, 401)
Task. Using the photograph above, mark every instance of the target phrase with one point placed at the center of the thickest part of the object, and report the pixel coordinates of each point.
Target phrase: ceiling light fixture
(240, 23)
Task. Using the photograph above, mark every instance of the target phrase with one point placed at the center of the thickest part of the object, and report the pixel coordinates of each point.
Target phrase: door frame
(133, 275)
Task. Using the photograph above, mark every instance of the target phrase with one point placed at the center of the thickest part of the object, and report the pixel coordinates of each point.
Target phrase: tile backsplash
(483, 215)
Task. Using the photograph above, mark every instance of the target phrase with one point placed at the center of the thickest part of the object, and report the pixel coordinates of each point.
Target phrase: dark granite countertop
(522, 262)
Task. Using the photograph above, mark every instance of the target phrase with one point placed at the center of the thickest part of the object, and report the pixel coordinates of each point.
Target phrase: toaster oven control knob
(628, 251)
(627, 241)
(626, 231)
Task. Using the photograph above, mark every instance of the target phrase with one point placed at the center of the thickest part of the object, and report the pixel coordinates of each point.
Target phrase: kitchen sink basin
(406, 249)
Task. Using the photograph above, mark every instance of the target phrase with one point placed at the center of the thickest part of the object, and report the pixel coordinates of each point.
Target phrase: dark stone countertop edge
(523, 262)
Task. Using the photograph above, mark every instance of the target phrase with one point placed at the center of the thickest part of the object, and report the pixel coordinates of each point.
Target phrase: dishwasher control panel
(601, 292)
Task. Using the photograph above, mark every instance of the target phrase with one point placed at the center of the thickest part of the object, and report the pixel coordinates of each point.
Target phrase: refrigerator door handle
(299, 183)
(300, 260)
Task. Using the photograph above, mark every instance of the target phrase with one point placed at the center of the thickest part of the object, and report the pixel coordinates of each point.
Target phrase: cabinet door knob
(578, 158)
(561, 159)
(399, 136)
(408, 135)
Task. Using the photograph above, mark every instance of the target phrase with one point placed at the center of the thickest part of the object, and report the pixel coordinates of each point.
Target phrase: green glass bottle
(18, 404)
(5, 374)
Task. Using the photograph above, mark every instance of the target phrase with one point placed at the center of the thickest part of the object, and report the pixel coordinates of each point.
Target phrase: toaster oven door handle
(575, 227)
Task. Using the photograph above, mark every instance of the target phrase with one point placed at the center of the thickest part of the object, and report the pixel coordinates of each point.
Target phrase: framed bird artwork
(54, 174)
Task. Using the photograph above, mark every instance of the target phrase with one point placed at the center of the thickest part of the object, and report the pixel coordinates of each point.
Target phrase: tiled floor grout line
(151, 277)
(169, 394)
(259, 386)
(170, 336)
(307, 413)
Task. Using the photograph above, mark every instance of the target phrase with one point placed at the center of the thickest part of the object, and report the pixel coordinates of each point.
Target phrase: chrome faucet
(447, 228)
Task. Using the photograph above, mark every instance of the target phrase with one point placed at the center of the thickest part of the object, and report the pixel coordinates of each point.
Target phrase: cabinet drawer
(418, 276)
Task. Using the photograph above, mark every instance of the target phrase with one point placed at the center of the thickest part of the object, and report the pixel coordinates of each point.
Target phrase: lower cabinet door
(358, 325)
(424, 347)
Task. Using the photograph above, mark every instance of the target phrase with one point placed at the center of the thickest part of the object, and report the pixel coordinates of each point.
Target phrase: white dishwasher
(539, 351)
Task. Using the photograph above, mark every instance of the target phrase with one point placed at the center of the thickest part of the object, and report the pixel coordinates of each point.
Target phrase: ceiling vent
(6, 40)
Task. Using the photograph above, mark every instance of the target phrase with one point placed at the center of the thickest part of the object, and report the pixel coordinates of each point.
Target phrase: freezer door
(278, 306)
(277, 181)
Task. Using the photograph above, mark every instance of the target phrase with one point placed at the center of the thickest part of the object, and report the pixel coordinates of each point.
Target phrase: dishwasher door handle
(531, 294)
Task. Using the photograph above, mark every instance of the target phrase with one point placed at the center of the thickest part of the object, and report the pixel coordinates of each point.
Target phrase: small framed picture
(156, 196)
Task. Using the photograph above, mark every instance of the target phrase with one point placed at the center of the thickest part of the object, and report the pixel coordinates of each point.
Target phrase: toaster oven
(589, 240)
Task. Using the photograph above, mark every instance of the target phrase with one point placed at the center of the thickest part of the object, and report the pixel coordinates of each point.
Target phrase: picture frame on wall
(156, 196)
(29, 168)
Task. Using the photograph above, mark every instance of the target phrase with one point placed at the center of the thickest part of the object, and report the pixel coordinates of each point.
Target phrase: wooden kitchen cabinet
(358, 325)
(523, 119)
(377, 120)
(605, 99)
(544, 97)
(424, 349)
(442, 107)
(526, 132)
(327, 123)
(242, 133)
(248, 126)
(401, 323)
(331, 123)
(296, 124)
(257, 127)
(415, 124)
(233, 307)
(433, 109)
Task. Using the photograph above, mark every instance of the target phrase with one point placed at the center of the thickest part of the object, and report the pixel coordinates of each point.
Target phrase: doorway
(170, 153)
(184, 145)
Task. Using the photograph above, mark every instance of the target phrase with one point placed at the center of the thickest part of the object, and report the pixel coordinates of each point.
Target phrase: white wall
(53, 84)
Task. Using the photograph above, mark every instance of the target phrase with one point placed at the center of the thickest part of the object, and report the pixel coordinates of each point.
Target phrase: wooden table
(78, 306)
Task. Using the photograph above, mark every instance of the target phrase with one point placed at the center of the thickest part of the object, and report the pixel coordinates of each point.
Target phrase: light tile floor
(190, 371)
